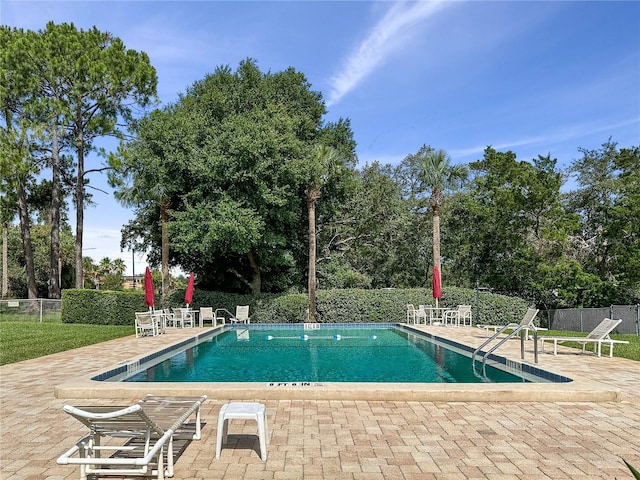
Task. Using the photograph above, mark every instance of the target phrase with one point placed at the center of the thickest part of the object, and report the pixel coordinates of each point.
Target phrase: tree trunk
(166, 280)
(79, 210)
(436, 240)
(54, 277)
(25, 230)
(256, 277)
(25, 227)
(5, 259)
(312, 197)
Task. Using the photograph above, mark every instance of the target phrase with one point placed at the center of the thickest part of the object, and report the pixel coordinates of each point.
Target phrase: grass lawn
(24, 340)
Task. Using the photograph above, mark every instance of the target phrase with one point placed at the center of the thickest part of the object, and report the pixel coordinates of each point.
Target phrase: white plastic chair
(460, 314)
(420, 315)
(242, 315)
(525, 324)
(206, 315)
(169, 318)
(411, 313)
(464, 314)
(187, 317)
(182, 317)
(145, 324)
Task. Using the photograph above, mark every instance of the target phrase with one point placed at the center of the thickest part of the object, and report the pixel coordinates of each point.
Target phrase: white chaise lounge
(525, 324)
(148, 429)
(597, 336)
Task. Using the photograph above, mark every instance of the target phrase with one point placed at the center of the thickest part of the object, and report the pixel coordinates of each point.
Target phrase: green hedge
(101, 307)
(333, 306)
(263, 308)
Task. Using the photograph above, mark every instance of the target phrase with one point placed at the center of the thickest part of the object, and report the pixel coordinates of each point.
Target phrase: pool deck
(444, 438)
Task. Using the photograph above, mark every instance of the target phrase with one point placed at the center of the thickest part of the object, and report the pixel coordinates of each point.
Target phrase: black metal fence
(585, 319)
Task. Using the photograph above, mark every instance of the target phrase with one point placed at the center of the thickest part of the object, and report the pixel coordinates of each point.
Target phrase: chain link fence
(30, 310)
(585, 319)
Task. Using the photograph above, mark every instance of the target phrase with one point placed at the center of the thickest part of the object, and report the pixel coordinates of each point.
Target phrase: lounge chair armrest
(65, 458)
(79, 412)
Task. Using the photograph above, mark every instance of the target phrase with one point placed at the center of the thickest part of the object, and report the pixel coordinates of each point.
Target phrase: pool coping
(577, 390)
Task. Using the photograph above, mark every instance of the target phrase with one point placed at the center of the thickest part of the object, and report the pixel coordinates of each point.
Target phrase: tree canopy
(61, 88)
(230, 162)
(224, 182)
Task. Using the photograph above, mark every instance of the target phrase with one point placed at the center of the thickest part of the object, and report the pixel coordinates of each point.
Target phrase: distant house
(132, 283)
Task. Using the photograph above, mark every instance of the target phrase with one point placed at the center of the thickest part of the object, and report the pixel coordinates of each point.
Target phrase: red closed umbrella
(188, 294)
(437, 287)
(149, 295)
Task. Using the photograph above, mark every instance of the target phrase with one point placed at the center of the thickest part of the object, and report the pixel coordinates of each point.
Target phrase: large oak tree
(231, 159)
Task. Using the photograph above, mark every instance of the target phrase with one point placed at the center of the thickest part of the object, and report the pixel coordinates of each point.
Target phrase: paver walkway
(372, 440)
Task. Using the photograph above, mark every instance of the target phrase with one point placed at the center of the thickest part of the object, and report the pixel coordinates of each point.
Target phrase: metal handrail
(229, 314)
(232, 317)
(516, 329)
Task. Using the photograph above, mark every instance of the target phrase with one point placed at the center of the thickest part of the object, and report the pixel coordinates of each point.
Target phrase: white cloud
(546, 142)
(393, 31)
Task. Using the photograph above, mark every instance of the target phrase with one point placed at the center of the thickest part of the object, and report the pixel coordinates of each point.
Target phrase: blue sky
(536, 78)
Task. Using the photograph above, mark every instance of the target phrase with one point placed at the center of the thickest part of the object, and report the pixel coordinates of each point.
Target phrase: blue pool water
(382, 354)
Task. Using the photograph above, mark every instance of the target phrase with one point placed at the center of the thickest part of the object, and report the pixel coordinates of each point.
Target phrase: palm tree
(89, 269)
(118, 266)
(438, 175)
(104, 266)
(322, 161)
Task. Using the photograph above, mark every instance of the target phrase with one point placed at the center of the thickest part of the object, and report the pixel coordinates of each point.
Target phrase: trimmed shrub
(101, 307)
(333, 306)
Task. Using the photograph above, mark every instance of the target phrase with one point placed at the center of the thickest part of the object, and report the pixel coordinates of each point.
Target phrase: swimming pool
(277, 354)
(104, 382)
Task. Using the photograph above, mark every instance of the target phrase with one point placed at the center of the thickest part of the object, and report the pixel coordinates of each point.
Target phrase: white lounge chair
(145, 324)
(597, 336)
(525, 324)
(148, 428)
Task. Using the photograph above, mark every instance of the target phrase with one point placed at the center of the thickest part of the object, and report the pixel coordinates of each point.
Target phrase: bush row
(333, 306)
(101, 307)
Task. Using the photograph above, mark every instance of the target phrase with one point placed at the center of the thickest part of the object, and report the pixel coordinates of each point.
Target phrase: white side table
(243, 411)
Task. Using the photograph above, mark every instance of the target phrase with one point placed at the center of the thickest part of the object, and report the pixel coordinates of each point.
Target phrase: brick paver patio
(349, 439)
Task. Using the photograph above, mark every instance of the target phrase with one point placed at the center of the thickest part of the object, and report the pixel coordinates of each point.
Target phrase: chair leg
(262, 435)
(222, 431)
(161, 464)
(169, 458)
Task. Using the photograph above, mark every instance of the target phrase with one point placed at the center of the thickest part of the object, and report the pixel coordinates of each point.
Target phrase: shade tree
(606, 200)
(231, 156)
